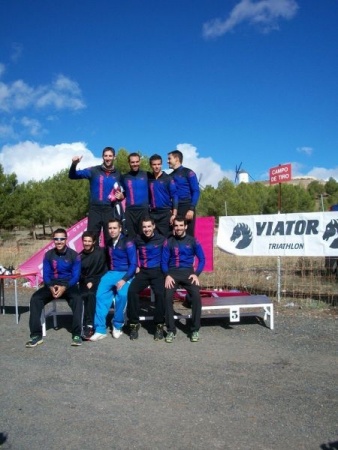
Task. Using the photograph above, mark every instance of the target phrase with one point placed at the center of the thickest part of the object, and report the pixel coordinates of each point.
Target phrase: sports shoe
(134, 327)
(194, 337)
(97, 337)
(170, 337)
(77, 340)
(87, 333)
(34, 341)
(158, 336)
(116, 333)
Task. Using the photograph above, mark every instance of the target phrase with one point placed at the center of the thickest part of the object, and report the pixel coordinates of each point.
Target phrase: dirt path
(242, 386)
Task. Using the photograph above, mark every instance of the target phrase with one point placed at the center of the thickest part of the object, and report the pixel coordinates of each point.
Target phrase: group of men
(148, 242)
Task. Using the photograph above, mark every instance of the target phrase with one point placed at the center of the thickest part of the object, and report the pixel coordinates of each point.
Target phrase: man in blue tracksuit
(162, 195)
(187, 188)
(61, 273)
(149, 250)
(135, 186)
(178, 255)
(113, 287)
(105, 191)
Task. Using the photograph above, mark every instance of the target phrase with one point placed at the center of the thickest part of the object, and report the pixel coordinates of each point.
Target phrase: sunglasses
(59, 239)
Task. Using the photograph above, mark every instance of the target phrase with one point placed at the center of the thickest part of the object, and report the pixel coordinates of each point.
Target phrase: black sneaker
(34, 341)
(134, 327)
(87, 333)
(76, 341)
(170, 337)
(158, 336)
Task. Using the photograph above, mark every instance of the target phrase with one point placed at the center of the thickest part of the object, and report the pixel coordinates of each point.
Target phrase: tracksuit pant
(89, 303)
(98, 218)
(181, 277)
(134, 216)
(108, 294)
(42, 296)
(181, 212)
(144, 278)
(161, 218)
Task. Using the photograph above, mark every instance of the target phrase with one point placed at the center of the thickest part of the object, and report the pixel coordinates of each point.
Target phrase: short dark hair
(181, 219)
(89, 234)
(110, 149)
(59, 231)
(155, 157)
(133, 154)
(147, 219)
(113, 220)
(178, 155)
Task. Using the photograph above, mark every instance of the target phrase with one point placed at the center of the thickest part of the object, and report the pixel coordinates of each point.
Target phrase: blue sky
(228, 82)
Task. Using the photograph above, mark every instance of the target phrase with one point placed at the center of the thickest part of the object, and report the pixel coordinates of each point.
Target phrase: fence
(301, 277)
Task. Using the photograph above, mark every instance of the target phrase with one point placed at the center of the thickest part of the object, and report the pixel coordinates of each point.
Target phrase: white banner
(299, 234)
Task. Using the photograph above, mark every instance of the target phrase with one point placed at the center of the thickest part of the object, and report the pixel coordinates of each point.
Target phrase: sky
(249, 83)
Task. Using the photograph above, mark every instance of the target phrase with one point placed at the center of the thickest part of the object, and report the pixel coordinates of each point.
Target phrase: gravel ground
(242, 386)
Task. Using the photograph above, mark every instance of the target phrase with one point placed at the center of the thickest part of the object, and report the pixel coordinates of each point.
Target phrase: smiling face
(88, 244)
(114, 229)
(60, 241)
(134, 163)
(108, 158)
(156, 166)
(173, 161)
(148, 228)
(180, 228)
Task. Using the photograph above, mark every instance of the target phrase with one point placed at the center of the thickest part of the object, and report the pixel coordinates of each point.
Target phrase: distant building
(243, 176)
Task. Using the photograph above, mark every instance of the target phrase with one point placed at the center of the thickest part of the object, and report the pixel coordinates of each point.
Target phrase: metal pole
(278, 257)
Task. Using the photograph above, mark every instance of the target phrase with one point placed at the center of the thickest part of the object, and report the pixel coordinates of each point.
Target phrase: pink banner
(204, 233)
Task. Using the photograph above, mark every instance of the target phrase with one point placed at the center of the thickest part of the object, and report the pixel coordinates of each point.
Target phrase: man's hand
(189, 215)
(120, 284)
(194, 279)
(76, 159)
(58, 291)
(169, 282)
(119, 195)
(89, 285)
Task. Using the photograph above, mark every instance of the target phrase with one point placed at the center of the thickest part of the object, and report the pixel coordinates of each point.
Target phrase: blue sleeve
(47, 271)
(132, 261)
(165, 257)
(173, 193)
(201, 258)
(76, 272)
(194, 189)
(79, 174)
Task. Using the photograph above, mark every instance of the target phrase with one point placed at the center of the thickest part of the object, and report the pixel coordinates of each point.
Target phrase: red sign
(280, 174)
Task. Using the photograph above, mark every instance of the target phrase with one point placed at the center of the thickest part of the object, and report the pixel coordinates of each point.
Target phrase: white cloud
(306, 150)
(32, 161)
(7, 131)
(63, 93)
(208, 171)
(319, 173)
(323, 174)
(265, 14)
(33, 126)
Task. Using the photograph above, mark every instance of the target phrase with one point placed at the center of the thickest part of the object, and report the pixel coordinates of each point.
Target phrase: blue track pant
(107, 295)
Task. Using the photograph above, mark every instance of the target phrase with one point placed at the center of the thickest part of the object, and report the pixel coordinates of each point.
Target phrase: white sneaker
(97, 337)
(117, 333)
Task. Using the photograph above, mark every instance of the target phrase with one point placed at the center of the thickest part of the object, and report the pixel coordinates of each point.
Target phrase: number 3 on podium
(234, 314)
